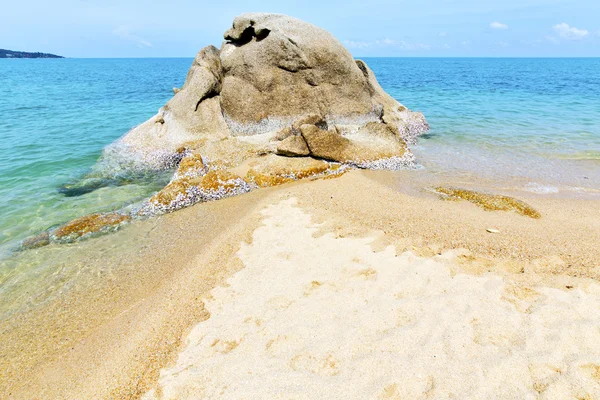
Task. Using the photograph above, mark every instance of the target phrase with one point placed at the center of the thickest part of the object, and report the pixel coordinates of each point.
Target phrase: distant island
(24, 54)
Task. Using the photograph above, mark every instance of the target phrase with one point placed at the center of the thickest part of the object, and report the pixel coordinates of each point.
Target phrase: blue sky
(427, 28)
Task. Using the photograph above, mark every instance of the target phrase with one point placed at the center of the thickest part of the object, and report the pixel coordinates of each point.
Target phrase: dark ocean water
(533, 122)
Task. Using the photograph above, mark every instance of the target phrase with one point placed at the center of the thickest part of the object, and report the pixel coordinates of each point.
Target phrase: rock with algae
(489, 202)
(77, 229)
(272, 170)
(191, 166)
(88, 225)
(36, 241)
(183, 192)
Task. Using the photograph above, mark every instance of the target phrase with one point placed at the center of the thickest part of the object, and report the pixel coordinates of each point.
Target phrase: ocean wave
(582, 156)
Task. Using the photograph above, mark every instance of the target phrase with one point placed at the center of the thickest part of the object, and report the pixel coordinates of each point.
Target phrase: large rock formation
(273, 75)
(281, 100)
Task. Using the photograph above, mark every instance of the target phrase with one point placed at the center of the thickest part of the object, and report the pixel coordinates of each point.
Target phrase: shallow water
(528, 123)
(59, 114)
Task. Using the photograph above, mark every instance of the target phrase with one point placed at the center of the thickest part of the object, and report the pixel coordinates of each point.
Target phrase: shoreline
(426, 170)
(129, 299)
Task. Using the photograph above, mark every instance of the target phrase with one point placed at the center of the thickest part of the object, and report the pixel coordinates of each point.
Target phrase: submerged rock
(34, 242)
(88, 225)
(77, 229)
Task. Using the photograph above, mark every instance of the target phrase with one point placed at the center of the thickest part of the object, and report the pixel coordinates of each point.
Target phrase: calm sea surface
(532, 122)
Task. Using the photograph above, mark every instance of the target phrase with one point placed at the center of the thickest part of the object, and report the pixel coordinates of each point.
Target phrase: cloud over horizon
(570, 32)
(498, 25)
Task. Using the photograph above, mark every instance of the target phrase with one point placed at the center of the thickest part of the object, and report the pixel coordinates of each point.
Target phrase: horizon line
(356, 57)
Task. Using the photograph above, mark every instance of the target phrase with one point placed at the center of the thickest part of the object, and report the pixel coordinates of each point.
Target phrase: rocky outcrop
(281, 100)
(272, 75)
(279, 67)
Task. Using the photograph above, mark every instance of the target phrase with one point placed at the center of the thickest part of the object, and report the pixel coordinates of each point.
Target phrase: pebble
(492, 230)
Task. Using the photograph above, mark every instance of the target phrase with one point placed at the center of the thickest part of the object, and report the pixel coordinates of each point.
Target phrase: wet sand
(122, 306)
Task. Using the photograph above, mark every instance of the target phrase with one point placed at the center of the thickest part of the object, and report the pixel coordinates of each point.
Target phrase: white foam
(541, 189)
(328, 318)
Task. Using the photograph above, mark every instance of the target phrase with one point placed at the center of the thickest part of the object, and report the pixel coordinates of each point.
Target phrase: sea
(532, 124)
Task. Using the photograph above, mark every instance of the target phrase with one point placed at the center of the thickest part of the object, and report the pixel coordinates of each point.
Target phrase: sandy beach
(204, 202)
(364, 286)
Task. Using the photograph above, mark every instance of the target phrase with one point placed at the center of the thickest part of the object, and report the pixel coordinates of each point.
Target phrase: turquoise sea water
(535, 122)
(530, 122)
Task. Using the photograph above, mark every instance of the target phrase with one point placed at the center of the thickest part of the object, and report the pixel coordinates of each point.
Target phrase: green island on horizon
(24, 54)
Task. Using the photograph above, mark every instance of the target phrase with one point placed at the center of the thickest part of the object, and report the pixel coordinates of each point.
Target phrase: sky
(376, 28)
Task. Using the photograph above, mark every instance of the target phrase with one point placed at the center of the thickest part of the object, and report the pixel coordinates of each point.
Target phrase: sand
(507, 313)
(328, 318)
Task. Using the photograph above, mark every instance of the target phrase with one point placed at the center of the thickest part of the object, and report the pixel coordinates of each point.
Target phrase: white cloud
(124, 33)
(503, 44)
(498, 25)
(443, 34)
(570, 32)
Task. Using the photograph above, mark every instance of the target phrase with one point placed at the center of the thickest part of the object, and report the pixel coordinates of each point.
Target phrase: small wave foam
(118, 157)
(534, 187)
(121, 165)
